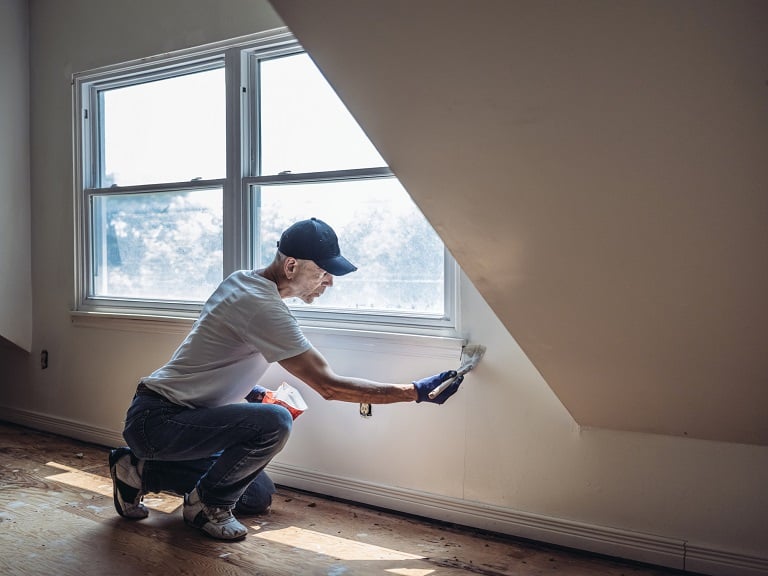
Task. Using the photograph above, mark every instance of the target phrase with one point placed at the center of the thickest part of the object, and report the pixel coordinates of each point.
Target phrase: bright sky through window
(153, 135)
(304, 125)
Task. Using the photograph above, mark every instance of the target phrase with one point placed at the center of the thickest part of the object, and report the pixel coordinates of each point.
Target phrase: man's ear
(290, 266)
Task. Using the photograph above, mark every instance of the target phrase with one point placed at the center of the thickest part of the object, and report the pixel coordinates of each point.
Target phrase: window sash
(89, 300)
(320, 315)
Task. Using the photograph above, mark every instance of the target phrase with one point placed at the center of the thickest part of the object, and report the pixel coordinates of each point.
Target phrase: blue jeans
(223, 450)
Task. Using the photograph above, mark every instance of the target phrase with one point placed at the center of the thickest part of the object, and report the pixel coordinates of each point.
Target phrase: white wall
(15, 239)
(504, 454)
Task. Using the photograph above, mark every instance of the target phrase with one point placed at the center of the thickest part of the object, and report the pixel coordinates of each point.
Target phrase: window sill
(132, 322)
(385, 342)
(378, 342)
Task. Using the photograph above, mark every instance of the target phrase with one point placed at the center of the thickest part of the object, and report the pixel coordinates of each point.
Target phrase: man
(188, 429)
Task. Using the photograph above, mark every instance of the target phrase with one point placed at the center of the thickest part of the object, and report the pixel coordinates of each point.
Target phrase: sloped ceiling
(599, 169)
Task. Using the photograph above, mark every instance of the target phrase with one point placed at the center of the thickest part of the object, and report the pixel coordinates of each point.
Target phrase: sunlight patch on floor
(337, 547)
(94, 483)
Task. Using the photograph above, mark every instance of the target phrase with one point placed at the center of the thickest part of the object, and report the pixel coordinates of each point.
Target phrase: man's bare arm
(313, 369)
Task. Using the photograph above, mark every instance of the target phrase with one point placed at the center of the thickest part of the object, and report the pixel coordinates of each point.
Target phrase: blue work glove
(256, 395)
(426, 385)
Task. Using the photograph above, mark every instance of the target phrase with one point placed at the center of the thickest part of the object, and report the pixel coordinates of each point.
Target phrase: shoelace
(218, 514)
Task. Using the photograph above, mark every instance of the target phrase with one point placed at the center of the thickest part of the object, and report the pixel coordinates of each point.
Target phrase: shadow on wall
(14, 365)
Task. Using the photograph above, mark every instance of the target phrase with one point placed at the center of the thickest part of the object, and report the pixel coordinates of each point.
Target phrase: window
(190, 166)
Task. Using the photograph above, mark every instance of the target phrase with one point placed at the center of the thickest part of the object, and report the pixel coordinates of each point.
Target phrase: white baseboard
(709, 561)
(648, 548)
(602, 540)
(68, 428)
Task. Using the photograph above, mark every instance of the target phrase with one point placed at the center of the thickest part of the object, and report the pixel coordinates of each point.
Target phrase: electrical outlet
(366, 410)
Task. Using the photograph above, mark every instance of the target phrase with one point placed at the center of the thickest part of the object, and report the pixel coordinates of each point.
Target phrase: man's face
(310, 281)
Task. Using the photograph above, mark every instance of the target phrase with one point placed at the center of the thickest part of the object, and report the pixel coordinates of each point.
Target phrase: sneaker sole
(213, 536)
(200, 522)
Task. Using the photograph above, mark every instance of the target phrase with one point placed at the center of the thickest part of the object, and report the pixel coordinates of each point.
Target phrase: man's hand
(426, 385)
(256, 395)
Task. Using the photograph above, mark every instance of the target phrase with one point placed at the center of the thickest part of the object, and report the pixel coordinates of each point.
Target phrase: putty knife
(470, 357)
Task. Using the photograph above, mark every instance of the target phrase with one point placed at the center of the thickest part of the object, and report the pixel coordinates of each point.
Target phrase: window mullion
(251, 131)
(235, 233)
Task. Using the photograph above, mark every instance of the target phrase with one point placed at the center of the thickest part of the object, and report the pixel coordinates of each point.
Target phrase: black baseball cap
(314, 240)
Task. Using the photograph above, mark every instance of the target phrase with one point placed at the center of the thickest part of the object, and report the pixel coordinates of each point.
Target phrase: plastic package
(287, 396)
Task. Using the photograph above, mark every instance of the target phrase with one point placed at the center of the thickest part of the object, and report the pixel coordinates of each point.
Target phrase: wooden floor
(57, 519)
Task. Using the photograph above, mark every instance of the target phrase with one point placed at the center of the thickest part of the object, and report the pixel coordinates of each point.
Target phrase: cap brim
(338, 266)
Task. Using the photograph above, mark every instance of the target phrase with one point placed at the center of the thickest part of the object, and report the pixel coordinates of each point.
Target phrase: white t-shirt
(243, 327)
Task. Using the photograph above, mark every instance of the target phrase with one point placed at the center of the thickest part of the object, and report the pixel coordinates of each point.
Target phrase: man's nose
(328, 280)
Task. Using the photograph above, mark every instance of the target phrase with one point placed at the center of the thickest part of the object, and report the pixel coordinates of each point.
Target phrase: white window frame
(239, 58)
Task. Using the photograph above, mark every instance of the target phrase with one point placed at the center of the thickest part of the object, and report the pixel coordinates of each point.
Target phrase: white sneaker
(126, 484)
(216, 521)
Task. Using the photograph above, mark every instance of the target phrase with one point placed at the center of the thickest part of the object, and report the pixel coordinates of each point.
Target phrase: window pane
(170, 130)
(159, 245)
(304, 125)
(398, 255)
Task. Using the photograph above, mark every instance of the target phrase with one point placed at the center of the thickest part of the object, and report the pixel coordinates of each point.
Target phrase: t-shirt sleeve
(274, 331)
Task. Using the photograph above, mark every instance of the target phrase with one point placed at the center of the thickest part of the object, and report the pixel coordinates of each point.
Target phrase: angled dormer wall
(599, 171)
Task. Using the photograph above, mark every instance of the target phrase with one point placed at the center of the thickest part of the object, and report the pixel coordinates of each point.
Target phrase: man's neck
(272, 273)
